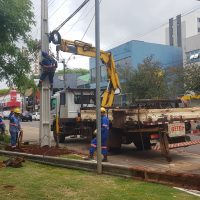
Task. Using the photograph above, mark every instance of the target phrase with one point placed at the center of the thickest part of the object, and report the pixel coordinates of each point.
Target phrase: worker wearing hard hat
(104, 136)
(15, 127)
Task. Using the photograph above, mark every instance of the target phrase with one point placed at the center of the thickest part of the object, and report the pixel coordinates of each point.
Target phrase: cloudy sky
(120, 21)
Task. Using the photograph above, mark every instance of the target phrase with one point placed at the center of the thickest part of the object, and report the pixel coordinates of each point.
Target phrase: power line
(79, 19)
(84, 32)
(72, 15)
(154, 28)
(58, 9)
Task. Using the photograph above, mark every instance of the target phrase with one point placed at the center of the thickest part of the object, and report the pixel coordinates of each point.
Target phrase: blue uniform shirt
(15, 125)
(104, 125)
(1, 123)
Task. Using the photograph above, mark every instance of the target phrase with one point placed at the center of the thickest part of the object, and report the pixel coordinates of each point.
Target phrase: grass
(35, 181)
(5, 138)
(72, 156)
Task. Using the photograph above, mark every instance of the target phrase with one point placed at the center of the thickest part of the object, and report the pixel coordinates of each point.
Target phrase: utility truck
(144, 124)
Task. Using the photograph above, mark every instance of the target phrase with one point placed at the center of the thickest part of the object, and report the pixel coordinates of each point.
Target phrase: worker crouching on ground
(104, 136)
(15, 127)
(49, 65)
(2, 125)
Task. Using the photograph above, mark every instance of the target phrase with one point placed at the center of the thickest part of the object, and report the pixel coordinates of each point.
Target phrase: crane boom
(86, 49)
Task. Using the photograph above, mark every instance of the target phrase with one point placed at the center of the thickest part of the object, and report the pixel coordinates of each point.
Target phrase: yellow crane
(85, 49)
(190, 100)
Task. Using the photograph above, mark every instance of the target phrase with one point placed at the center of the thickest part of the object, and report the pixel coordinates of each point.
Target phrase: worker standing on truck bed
(104, 136)
(15, 127)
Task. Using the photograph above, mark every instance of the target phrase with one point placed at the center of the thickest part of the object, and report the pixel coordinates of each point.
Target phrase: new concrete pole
(64, 71)
(44, 136)
(98, 98)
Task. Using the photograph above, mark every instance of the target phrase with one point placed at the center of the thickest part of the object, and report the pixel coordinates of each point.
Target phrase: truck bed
(145, 116)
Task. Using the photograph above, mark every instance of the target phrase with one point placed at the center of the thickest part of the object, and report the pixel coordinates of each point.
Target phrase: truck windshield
(84, 99)
(53, 103)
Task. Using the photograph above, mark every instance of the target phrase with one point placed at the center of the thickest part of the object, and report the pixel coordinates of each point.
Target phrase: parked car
(6, 114)
(26, 116)
(36, 116)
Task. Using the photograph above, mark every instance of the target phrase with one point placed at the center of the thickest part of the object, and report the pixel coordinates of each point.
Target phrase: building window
(198, 30)
(198, 19)
(93, 75)
(103, 73)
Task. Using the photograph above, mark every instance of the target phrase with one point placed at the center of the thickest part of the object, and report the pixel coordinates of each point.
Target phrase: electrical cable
(79, 19)
(84, 33)
(155, 28)
(72, 15)
(57, 9)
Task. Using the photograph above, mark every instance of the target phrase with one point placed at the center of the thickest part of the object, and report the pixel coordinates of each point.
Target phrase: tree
(192, 78)
(147, 81)
(174, 77)
(16, 19)
(4, 91)
(80, 71)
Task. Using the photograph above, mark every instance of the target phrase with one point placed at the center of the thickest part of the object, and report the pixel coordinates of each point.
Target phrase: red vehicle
(10, 101)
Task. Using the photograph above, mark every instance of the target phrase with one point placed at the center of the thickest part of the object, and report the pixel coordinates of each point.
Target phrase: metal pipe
(98, 98)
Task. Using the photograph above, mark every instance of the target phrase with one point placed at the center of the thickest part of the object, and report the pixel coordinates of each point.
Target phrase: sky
(120, 21)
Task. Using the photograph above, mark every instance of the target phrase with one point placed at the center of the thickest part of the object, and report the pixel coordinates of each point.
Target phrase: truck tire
(115, 140)
(142, 143)
(60, 137)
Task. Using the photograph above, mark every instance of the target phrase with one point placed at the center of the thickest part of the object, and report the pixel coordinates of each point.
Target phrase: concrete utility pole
(98, 98)
(64, 71)
(45, 137)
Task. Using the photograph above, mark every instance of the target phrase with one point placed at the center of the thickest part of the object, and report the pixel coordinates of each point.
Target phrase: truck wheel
(115, 140)
(142, 142)
(138, 145)
(60, 138)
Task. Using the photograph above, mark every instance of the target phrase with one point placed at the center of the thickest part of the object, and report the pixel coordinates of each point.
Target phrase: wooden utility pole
(45, 137)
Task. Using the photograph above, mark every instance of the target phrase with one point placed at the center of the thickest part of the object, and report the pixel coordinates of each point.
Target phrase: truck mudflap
(195, 132)
(176, 145)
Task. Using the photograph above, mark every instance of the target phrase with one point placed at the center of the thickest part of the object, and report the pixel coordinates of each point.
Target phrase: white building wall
(191, 23)
(189, 26)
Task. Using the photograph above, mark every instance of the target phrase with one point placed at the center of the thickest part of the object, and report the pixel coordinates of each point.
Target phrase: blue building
(134, 52)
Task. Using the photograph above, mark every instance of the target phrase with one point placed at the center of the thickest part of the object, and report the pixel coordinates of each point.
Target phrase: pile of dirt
(37, 150)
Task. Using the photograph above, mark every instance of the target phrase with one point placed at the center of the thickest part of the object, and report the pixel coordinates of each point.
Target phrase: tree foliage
(147, 81)
(175, 81)
(192, 78)
(80, 71)
(4, 91)
(16, 19)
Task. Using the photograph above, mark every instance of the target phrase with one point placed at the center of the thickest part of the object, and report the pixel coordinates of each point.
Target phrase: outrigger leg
(164, 146)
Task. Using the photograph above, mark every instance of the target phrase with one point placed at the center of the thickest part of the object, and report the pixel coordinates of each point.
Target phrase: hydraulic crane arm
(86, 49)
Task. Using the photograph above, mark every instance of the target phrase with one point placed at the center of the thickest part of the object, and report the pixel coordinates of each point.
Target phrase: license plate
(176, 129)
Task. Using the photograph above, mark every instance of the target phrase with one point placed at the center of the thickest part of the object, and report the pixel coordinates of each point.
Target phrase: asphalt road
(31, 133)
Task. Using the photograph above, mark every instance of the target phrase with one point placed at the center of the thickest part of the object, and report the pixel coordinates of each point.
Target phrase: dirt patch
(46, 150)
(8, 187)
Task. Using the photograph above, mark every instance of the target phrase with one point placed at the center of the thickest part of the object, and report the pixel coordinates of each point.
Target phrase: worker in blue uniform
(104, 136)
(2, 125)
(49, 65)
(15, 127)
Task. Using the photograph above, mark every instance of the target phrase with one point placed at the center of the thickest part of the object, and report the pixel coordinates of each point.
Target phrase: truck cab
(65, 107)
